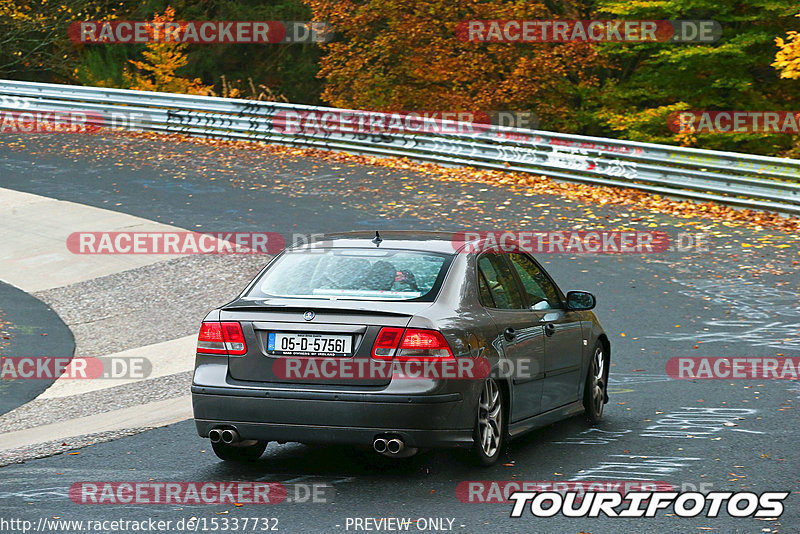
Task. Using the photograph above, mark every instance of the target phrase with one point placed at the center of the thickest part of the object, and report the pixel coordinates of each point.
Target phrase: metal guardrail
(745, 180)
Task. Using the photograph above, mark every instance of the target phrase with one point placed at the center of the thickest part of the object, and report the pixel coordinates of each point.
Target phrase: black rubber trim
(563, 371)
(324, 395)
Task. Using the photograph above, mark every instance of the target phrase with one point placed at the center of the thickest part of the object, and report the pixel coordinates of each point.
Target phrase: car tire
(594, 393)
(490, 429)
(240, 453)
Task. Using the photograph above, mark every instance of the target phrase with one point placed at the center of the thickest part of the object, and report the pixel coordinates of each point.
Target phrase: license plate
(309, 344)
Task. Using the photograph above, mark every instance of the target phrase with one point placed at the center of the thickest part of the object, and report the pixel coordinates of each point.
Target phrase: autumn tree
(787, 59)
(158, 71)
(405, 55)
(647, 81)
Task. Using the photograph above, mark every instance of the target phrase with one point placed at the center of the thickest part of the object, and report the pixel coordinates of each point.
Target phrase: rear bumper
(432, 420)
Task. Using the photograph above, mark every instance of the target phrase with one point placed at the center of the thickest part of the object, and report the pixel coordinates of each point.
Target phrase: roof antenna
(377, 239)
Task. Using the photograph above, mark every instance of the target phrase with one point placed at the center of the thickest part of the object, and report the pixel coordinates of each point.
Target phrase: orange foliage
(162, 60)
(404, 55)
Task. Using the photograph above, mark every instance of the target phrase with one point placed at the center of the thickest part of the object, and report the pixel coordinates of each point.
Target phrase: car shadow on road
(297, 459)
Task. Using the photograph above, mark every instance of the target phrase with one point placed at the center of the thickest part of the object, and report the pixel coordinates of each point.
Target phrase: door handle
(549, 329)
(509, 334)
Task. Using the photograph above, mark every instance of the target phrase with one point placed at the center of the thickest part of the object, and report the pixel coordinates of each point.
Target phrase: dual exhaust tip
(227, 436)
(388, 446)
(393, 446)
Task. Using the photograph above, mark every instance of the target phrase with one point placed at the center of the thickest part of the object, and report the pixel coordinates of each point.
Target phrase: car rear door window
(540, 291)
(484, 294)
(500, 281)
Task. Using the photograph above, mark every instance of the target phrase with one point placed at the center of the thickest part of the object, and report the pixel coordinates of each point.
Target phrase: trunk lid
(356, 321)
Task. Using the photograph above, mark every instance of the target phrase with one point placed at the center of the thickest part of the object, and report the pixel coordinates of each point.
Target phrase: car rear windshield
(354, 274)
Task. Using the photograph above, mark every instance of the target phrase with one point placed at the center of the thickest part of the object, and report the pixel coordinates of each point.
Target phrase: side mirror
(580, 300)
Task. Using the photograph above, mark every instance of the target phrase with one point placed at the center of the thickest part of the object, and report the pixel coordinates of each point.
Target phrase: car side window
(541, 292)
(500, 282)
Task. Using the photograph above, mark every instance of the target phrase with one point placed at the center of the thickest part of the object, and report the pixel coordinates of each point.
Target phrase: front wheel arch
(603, 340)
(595, 390)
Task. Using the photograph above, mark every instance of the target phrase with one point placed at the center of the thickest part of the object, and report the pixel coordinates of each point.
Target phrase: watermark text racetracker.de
(333, 121)
(316, 368)
(562, 31)
(734, 368)
(199, 32)
(47, 121)
(734, 122)
(50, 368)
(178, 242)
(186, 493)
(578, 242)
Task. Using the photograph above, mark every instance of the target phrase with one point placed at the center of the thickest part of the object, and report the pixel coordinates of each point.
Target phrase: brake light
(421, 344)
(386, 343)
(221, 338)
(234, 338)
(413, 344)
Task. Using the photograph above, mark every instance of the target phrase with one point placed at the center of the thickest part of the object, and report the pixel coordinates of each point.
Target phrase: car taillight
(221, 338)
(234, 338)
(414, 344)
(386, 343)
(420, 344)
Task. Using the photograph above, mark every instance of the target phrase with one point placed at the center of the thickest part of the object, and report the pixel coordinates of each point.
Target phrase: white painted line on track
(153, 414)
(34, 255)
(166, 358)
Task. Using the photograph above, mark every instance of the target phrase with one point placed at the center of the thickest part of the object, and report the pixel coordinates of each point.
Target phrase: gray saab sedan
(397, 341)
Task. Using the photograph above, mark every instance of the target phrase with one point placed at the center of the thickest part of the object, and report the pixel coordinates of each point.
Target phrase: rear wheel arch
(490, 433)
(505, 390)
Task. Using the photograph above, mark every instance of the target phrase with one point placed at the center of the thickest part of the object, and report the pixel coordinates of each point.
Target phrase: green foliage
(286, 69)
(647, 81)
(103, 66)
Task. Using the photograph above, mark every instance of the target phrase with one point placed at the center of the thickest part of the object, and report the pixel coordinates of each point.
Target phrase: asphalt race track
(739, 295)
(34, 329)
